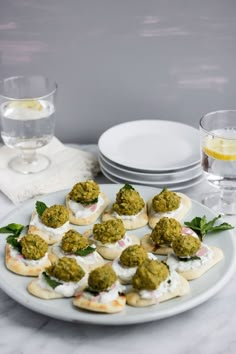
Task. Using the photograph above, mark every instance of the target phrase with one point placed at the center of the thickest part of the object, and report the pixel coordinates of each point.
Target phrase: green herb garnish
(94, 201)
(127, 186)
(92, 291)
(14, 229)
(202, 227)
(188, 259)
(13, 241)
(85, 251)
(51, 282)
(40, 207)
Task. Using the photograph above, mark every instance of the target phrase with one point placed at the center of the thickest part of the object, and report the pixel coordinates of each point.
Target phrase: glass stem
(29, 156)
(227, 200)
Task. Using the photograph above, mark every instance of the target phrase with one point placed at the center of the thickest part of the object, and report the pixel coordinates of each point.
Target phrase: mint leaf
(94, 201)
(51, 282)
(12, 240)
(14, 229)
(40, 207)
(202, 227)
(127, 186)
(85, 251)
(188, 259)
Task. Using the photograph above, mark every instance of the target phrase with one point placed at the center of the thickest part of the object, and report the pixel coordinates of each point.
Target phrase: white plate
(175, 187)
(201, 289)
(149, 179)
(151, 145)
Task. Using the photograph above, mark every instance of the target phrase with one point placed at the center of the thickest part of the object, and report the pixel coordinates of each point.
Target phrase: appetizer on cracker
(104, 292)
(85, 203)
(129, 207)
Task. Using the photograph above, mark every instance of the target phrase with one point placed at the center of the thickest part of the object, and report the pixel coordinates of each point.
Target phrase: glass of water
(27, 111)
(218, 146)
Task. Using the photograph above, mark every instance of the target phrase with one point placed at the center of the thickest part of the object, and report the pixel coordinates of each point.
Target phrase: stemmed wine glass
(218, 146)
(27, 111)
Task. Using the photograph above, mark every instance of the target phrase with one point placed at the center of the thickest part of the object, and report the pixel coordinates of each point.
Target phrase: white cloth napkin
(68, 167)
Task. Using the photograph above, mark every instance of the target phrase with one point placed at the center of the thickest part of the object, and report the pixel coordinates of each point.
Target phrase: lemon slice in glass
(27, 104)
(220, 148)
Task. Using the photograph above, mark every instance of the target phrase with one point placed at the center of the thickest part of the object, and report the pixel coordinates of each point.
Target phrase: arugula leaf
(51, 282)
(202, 227)
(12, 240)
(40, 207)
(127, 186)
(85, 251)
(14, 229)
(188, 259)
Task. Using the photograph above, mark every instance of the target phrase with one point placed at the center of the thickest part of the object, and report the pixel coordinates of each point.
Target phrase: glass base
(24, 166)
(220, 203)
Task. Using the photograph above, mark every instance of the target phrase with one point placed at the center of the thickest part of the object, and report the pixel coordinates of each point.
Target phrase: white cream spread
(89, 259)
(167, 286)
(56, 233)
(126, 273)
(205, 254)
(28, 262)
(67, 289)
(121, 244)
(81, 211)
(126, 217)
(168, 214)
(106, 296)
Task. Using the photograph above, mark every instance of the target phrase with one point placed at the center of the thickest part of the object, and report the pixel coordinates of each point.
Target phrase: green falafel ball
(55, 216)
(186, 246)
(128, 201)
(109, 231)
(66, 269)
(85, 192)
(33, 247)
(73, 241)
(102, 278)
(150, 274)
(166, 231)
(165, 201)
(133, 256)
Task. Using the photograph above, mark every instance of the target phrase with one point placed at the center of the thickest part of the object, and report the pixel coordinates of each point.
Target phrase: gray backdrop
(123, 60)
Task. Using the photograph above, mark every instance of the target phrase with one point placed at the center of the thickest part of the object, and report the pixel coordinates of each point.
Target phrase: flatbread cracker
(17, 266)
(89, 219)
(150, 246)
(198, 272)
(35, 289)
(34, 230)
(111, 253)
(140, 221)
(110, 307)
(153, 218)
(133, 298)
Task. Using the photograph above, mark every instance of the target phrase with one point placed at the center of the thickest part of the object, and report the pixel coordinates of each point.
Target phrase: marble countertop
(208, 328)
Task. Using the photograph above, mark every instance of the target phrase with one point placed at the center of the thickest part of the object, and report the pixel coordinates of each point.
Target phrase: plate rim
(113, 319)
(142, 121)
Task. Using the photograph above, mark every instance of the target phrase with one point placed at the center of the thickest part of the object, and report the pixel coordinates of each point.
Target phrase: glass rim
(212, 113)
(54, 83)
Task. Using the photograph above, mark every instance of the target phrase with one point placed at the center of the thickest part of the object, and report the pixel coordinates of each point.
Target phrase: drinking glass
(27, 111)
(218, 147)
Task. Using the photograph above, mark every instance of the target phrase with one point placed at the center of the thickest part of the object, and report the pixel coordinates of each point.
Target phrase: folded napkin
(68, 166)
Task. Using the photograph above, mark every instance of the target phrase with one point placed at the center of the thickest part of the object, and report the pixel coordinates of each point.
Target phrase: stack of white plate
(151, 152)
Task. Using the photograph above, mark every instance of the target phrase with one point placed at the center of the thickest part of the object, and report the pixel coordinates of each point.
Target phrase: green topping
(12, 240)
(189, 259)
(133, 256)
(55, 216)
(33, 247)
(40, 207)
(109, 231)
(165, 231)
(66, 269)
(85, 192)
(128, 201)
(186, 246)
(202, 227)
(102, 278)
(165, 201)
(73, 241)
(85, 251)
(51, 282)
(14, 229)
(150, 274)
